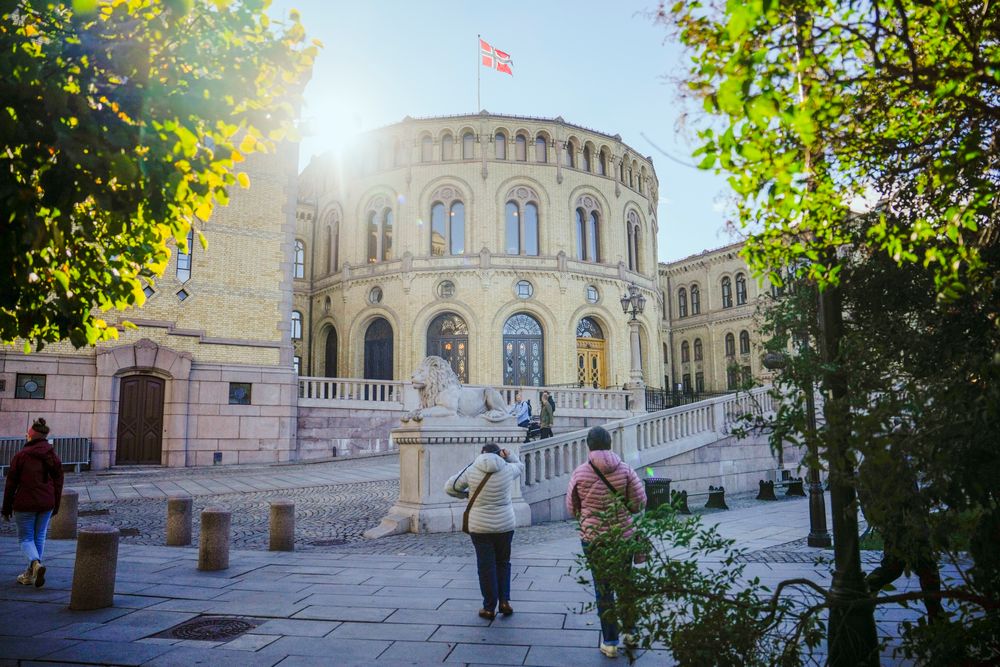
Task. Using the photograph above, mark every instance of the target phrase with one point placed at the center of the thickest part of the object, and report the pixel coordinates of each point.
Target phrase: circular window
(446, 289)
(593, 296)
(31, 386)
(524, 289)
(375, 296)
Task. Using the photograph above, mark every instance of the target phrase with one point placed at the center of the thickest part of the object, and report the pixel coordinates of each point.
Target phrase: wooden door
(590, 363)
(140, 420)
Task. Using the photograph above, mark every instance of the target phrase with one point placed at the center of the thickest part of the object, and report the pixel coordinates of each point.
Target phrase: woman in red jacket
(32, 494)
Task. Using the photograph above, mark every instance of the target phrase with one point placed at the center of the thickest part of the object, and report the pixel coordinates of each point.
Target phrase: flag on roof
(494, 58)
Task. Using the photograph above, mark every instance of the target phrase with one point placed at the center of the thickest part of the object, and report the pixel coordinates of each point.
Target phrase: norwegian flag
(495, 58)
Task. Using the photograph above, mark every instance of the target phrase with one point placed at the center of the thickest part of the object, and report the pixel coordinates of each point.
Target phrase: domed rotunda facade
(501, 243)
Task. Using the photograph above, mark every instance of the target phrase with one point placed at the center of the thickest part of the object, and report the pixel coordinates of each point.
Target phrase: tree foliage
(123, 123)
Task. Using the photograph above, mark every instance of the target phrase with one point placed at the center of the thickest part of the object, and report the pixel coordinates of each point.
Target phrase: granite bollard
(95, 568)
(213, 545)
(63, 525)
(179, 513)
(282, 526)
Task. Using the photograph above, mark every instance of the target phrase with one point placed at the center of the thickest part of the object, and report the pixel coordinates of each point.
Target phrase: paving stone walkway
(402, 600)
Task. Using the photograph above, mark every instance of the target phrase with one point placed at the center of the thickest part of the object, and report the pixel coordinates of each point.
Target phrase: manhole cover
(100, 512)
(210, 628)
(328, 543)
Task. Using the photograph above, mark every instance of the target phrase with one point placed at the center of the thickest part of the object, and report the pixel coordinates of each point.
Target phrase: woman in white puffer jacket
(491, 521)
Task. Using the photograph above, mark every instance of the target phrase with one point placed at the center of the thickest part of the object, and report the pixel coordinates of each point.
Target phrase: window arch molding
(634, 239)
(448, 214)
(570, 157)
(354, 343)
(588, 204)
(540, 147)
(425, 147)
(588, 157)
(448, 145)
(463, 149)
(298, 259)
(330, 238)
(603, 166)
(500, 138)
(520, 145)
(378, 220)
(726, 291)
(695, 299)
(522, 221)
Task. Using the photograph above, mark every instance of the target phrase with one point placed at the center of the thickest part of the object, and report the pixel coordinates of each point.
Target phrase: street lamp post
(633, 304)
(819, 536)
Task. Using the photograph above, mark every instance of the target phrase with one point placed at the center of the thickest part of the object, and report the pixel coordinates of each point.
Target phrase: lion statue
(442, 395)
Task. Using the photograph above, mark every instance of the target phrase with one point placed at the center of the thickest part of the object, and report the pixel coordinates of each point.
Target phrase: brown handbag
(468, 508)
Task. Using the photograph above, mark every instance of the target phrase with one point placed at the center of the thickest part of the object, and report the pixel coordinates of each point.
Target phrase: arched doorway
(378, 350)
(140, 420)
(330, 353)
(523, 351)
(448, 338)
(591, 359)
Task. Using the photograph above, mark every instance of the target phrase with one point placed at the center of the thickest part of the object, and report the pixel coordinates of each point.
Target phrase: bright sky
(596, 63)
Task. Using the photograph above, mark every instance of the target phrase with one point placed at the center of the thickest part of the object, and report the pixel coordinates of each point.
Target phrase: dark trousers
(605, 595)
(546, 432)
(892, 566)
(493, 563)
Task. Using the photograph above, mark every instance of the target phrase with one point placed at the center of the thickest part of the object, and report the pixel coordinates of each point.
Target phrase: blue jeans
(31, 530)
(493, 563)
(605, 595)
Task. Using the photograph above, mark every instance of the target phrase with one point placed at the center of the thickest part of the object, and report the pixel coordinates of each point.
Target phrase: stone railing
(401, 396)
(640, 440)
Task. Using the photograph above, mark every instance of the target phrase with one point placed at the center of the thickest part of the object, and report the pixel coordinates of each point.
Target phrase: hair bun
(40, 426)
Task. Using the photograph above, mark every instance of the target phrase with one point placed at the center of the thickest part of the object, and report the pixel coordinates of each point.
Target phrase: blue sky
(596, 64)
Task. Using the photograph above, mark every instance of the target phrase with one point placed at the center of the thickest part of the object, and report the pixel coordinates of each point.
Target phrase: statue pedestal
(431, 451)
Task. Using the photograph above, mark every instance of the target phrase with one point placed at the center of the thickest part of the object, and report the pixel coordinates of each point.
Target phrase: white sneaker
(610, 650)
(26, 578)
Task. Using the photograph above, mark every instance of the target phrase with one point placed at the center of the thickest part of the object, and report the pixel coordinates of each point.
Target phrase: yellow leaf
(248, 145)
(243, 179)
(204, 211)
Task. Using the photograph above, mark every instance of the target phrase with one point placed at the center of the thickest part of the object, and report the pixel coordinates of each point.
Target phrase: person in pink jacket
(592, 489)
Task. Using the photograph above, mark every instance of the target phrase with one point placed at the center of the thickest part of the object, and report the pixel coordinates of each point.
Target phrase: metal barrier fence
(661, 399)
(73, 451)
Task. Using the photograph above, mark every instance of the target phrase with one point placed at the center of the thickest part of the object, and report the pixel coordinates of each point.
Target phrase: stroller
(534, 428)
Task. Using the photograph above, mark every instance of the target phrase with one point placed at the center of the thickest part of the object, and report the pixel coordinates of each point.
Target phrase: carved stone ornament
(442, 395)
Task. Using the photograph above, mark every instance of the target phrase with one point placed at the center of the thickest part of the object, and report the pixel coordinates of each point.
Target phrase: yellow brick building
(502, 243)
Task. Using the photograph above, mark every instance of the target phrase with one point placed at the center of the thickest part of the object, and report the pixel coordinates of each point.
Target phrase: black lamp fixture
(633, 302)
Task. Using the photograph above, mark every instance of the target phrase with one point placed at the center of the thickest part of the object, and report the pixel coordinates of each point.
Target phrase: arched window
(682, 303)
(184, 259)
(523, 351)
(744, 342)
(300, 259)
(447, 147)
(521, 148)
(685, 352)
(328, 247)
(632, 228)
(330, 350)
(730, 345)
(727, 293)
(426, 149)
(468, 143)
(621, 171)
(447, 222)
(695, 300)
(521, 222)
(602, 163)
(448, 338)
(541, 149)
(378, 350)
(585, 164)
(594, 238)
(500, 140)
(379, 217)
(581, 234)
(699, 351)
(296, 325)
(569, 154)
(741, 289)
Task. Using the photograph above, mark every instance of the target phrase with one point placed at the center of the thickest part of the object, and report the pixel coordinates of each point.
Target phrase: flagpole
(478, 67)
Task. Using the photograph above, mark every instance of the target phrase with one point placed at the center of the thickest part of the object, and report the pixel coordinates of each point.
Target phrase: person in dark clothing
(548, 410)
(32, 495)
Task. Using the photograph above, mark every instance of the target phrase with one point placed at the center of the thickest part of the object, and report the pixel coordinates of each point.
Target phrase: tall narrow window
(184, 259)
(682, 303)
(621, 171)
(372, 237)
(501, 145)
(296, 325)
(594, 238)
(439, 232)
(447, 147)
(730, 345)
(695, 300)
(741, 289)
(299, 265)
(699, 350)
(521, 148)
(581, 234)
(468, 143)
(530, 229)
(744, 342)
(521, 222)
(426, 149)
(633, 240)
(585, 164)
(386, 235)
(685, 352)
(512, 222)
(457, 228)
(541, 149)
(569, 159)
(727, 293)
(602, 164)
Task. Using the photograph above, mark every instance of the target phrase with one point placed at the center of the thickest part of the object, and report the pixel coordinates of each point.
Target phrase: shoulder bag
(468, 508)
(638, 557)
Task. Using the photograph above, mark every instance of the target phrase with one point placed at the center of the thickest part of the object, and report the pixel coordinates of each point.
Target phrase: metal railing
(662, 399)
(72, 451)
